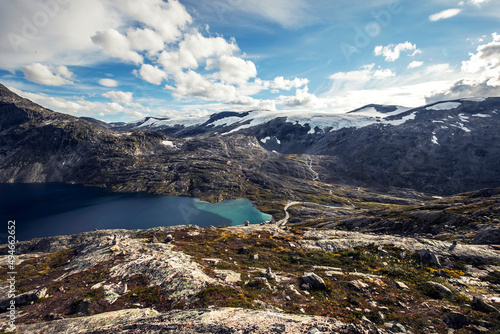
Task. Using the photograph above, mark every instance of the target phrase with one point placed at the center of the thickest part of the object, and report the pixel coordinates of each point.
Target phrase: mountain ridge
(442, 148)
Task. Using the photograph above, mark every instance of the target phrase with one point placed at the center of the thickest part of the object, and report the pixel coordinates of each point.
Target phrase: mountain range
(441, 148)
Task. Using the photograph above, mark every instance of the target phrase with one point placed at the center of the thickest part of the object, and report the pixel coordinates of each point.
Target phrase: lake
(49, 209)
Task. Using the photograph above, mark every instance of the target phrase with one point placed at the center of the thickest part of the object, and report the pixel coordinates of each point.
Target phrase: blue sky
(124, 60)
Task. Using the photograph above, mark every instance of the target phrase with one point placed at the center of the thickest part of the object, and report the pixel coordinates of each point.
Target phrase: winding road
(287, 215)
(283, 221)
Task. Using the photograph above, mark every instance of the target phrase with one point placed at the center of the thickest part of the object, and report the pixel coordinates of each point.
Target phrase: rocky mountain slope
(39, 145)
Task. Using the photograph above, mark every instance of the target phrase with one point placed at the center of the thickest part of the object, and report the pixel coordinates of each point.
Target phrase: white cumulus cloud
(152, 74)
(193, 49)
(415, 64)
(234, 70)
(302, 99)
(478, 2)
(108, 82)
(385, 73)
(392, 52)
(48, 75)
(445, 14)
(119, 97)
(480, 75)
(285, 84)
(116, 45)
(145, 40)
(169, 18)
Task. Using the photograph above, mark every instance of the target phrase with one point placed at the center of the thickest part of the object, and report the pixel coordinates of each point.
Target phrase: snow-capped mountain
(233, 122)
(442, 147)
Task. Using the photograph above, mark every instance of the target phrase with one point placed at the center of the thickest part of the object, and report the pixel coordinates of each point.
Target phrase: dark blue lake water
(48, 209)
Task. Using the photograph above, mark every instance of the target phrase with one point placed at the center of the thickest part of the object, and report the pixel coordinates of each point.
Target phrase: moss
(224, 297)
(43, 266)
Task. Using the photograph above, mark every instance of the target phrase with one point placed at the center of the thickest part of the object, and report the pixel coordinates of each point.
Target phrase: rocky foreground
(252, 279)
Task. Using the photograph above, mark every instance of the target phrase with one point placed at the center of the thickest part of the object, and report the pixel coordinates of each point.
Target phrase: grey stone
(314, 281)
(402, 255)
(395, 327)
(169, 239)
(402, 285)
(358, 285)
(314, 330)
(366, 320)
(24, 298)
(428, 257)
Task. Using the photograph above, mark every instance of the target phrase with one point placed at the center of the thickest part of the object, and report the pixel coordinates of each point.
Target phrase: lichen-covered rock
(438, 289)
(199, 321)
(23, 298)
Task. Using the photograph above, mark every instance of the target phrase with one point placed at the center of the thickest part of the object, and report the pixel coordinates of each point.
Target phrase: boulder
(269, 274)
(83, 307)
(313, 281)
(488, 236)
(402, 285)
(24, 298)
(428, 257)
(395, 327)
(259, 282)
(437, 290)
(358, 285)
(481, 305)
(456, 320)
(169, 238)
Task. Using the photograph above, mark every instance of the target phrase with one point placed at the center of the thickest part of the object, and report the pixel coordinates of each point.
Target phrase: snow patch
(444, 106)
(402, 120)
(475, 99)
(463, 117)
(462, 127)
(434, 139)
(185, 121)
(278, 141)
(481, 115)
(169, 143)
(311, 131)
(265, 140)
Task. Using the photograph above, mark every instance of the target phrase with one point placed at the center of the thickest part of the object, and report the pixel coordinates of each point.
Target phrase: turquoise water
(236, 210)
(48, 209)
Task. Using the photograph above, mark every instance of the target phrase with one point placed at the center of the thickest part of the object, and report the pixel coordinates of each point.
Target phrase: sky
(122, 60)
